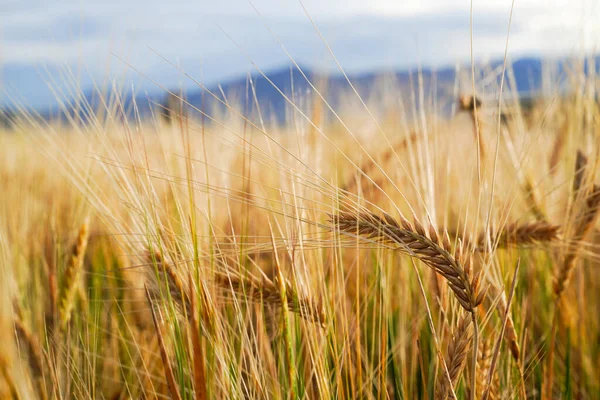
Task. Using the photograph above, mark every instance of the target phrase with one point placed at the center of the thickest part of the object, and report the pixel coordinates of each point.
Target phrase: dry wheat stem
(198, 351)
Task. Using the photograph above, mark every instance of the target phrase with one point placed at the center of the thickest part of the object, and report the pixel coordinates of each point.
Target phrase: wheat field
(384, 251)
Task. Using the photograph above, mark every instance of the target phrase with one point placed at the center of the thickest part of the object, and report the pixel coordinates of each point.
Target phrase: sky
(151, 42)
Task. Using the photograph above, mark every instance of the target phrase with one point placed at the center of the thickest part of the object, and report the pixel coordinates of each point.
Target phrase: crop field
(378, 249)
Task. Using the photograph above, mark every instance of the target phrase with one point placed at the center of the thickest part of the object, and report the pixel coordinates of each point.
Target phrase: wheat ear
(581, 162)
(515, 234)
(370, 165)
(265, 290)
(484, 363)
(71, 276)
(457, 354)
(430, 249)
(260, 290)
(168, 279)
(427, 247)
(32, 345)
(532, 199)
(585, 219)
(510, 333)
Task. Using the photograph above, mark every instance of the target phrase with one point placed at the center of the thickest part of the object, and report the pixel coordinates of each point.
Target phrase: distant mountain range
(267, 90)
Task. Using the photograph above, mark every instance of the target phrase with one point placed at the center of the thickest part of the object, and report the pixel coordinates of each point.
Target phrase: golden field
(382, 252)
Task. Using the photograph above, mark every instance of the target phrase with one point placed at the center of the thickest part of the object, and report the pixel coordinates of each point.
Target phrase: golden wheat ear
(246, 287)
(30, 343)
(266, 291)
(72, 276)
(162, 281)
(515, 234)
(457, 352)
(588, 205)
(427, 246)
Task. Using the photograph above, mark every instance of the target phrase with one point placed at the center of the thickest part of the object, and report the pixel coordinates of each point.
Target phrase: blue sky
(214, 41)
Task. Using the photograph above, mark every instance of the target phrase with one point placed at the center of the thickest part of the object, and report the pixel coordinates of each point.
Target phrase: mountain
(267, 90)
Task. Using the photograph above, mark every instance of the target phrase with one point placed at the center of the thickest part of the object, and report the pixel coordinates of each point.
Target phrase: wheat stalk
(170, 376)
(490, 374)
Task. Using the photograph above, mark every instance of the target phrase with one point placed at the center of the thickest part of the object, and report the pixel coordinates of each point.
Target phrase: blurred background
(89, 41)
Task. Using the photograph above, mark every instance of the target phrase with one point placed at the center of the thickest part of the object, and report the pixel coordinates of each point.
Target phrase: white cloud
(363, 34)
